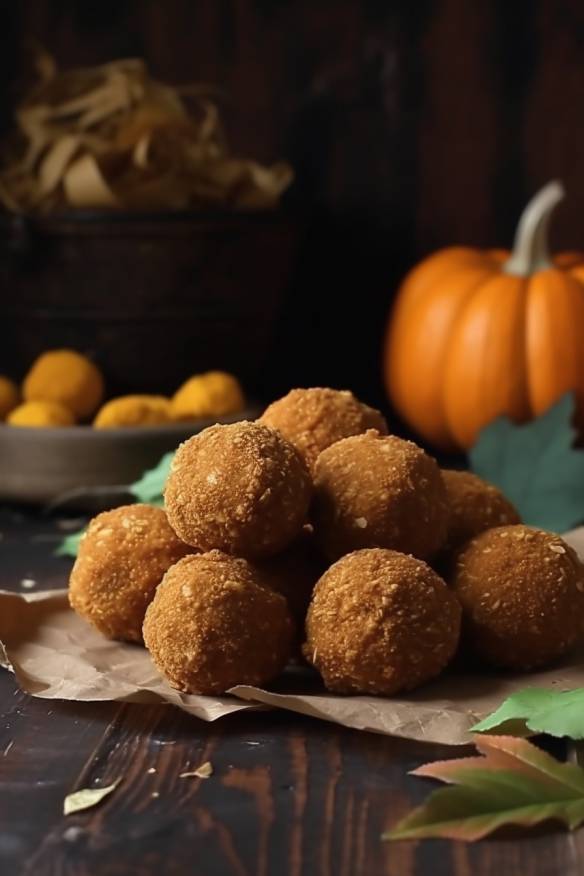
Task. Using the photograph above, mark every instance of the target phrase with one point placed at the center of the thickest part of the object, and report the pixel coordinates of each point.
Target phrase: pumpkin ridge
(485, 374)
(418, 399)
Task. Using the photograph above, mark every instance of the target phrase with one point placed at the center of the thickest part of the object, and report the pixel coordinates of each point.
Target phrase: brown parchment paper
(55, 655)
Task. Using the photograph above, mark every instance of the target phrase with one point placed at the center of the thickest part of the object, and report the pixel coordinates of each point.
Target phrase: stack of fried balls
(313, 534)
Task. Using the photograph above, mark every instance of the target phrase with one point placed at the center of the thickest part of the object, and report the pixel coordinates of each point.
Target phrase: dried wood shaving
(113, 137)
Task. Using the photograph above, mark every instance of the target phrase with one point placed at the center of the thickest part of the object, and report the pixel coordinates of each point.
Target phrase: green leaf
(536, 466)
(541, 710)
(70, 544)
(512, 783)
(151, 485)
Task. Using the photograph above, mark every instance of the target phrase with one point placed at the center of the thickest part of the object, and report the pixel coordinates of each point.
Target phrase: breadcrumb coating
(294, 573)
(380, 622)
(241, 488)
(313, 419)
(474, 505)
(522, 595)
(212, 624)
(122, 558)
(378, 491)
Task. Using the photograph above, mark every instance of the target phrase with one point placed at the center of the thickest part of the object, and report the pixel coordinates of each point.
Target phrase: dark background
(410, 125)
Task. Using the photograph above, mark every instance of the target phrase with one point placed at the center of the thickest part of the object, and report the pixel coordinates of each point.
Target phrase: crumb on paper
(151, 770)
(204, 771)
(8, 747)
(28, 583)
(155, 794)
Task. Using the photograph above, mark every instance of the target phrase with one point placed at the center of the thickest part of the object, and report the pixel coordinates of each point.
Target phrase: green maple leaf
(512, 783)
(541, 710)
(536, 466)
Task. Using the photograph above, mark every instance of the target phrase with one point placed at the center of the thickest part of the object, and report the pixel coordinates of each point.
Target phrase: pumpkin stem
(530, 249)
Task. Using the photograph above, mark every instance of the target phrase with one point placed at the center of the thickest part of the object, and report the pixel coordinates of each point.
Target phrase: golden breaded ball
(133, 410)
(522, 596)
(40, 414)
(313, 419)
(240, 488)
(213, 394)
(9, 396)
(474, 506)
(380, 622)
(212, 625)
(293, 573)
(378, 491)
(122, 558)
(67, 377)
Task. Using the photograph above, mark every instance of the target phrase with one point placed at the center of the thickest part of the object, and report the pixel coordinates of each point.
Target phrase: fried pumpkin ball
(240, 488)
(9, 396)
(474, 506)
(378, 491)
(67, 377)
(522, 596)
(380, 622)
(213, 394)
(313, 419)
(212, 624)
(133, 410)
(122, 558)
(40, 414)
(293, 573)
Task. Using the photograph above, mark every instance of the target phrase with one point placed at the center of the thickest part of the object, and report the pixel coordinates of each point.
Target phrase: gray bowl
(85, 467)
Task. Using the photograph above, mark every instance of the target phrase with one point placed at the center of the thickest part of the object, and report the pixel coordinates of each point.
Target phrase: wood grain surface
(289, 796)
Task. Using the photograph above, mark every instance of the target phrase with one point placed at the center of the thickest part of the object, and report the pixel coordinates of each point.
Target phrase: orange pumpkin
(476, 334)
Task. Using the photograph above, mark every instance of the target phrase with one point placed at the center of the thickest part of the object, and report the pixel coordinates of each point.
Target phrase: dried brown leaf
(87, 798)
(205, 771)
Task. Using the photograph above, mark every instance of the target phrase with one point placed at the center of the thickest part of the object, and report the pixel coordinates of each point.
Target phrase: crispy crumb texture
(122, 558)
(380, 622)
(212, 624)
(522, 594)
(241, 488)
(474, 505)
(313, 419)
(378, 491)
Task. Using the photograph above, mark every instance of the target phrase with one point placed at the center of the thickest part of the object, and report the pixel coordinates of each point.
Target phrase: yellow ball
(66, 377)
(41, 414)
(213, 394)
(9, 396)
(133, 410)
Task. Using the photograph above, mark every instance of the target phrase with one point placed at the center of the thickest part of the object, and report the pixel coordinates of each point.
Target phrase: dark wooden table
(289, 795)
